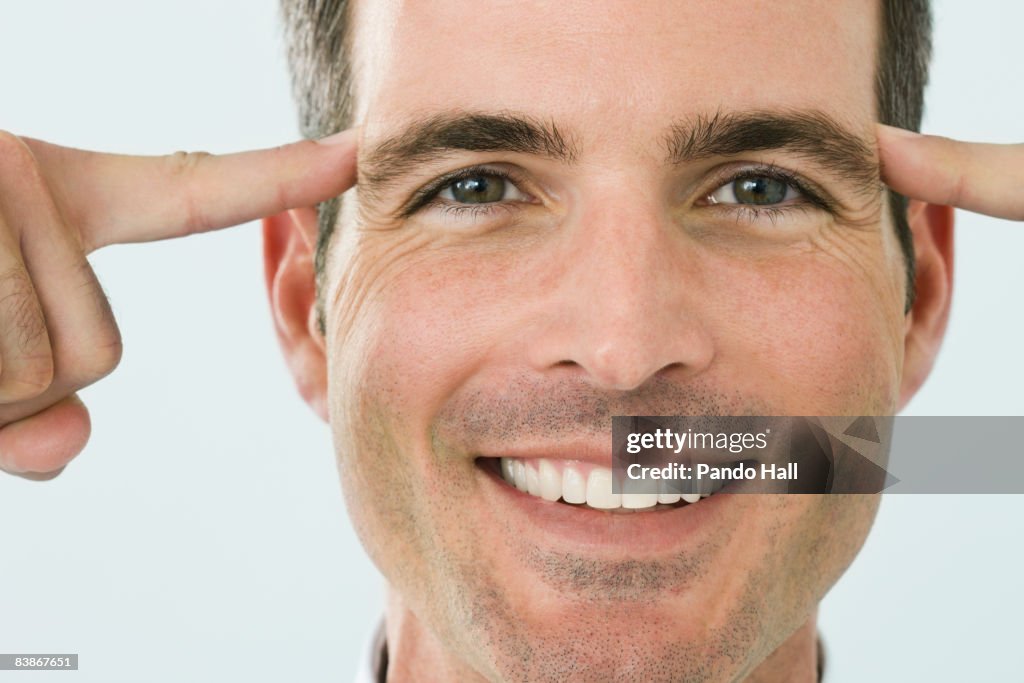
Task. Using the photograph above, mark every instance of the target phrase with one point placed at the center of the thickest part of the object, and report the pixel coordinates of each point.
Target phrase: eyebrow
(443, 134)
(811, 134)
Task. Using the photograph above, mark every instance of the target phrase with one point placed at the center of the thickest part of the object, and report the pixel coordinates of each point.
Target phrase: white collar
(373, 652)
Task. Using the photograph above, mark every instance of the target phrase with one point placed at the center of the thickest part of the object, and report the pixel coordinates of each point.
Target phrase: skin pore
(614, 274)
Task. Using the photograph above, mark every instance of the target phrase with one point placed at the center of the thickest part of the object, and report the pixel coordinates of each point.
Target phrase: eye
(481, 188)
(477, 192)
(755, 190)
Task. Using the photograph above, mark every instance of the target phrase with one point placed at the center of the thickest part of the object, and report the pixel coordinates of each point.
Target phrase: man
(563, 213)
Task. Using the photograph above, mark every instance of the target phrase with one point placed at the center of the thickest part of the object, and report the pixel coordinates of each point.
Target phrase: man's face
(619, 269)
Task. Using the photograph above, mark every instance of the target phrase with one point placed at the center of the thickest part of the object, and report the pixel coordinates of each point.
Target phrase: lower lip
(646, 532)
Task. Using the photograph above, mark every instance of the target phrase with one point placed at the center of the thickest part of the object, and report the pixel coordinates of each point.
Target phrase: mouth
(565, 504)
(585, 485)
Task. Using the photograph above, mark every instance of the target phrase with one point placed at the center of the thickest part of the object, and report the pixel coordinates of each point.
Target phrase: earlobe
(289, 240)
(925, 326)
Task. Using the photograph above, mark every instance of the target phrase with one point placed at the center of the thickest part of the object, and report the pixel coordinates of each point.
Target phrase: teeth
(667, 497)
(532, 481)
(555, 480)
(508, 470)
(520, 475)
(638, 501)
(574, 486)
(599, 490)
(550, 481)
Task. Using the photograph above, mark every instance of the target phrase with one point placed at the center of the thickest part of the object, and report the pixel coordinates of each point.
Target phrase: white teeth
(508, 470)
(638, 501)
(631, 500)
(550, 481)
(705, 487)
(574, 486)
(520, 475)
(668, 499)
(532, 481)
(554, 480)
(599, 490)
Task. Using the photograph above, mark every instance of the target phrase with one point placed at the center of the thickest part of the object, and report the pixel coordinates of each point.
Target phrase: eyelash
(812, 196)
(427, 195)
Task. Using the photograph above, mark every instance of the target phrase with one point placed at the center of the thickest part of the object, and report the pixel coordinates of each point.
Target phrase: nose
(626, 304)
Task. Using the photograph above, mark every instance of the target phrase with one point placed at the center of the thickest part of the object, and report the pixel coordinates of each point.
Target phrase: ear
(932, 228)
(289, 243)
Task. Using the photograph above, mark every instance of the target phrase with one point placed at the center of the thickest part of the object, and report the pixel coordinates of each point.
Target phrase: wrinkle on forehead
(614, 62)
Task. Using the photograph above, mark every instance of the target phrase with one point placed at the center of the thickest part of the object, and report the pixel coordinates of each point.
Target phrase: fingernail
(343, 137)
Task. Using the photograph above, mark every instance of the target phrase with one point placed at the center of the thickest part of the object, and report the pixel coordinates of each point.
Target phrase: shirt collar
(373, 665)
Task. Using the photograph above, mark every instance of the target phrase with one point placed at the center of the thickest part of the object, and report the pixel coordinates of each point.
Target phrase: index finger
(114, 198)
(979, 177)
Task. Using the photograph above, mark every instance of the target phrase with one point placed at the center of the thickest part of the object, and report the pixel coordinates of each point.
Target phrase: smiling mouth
(588, 486)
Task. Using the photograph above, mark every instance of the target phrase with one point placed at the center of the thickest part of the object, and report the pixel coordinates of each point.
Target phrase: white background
(202, 536)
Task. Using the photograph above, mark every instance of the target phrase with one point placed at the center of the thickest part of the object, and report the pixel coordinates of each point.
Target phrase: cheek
(805, 545)
(433, 325)
(411, 320)
(819, 330)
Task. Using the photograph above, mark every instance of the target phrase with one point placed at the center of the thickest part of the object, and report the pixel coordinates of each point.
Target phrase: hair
(318, 36)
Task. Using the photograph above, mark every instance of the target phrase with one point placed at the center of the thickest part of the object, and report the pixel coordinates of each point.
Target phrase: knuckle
(18, 164)
(91, 361)
(106, 354)
(959, 189)
(27, 369)
(95, 349)
(185, 163)
(284, 196)
(20, 310)
(184, 167)
(95, 295)
(15, 153)
(28, 381)
(285, 157)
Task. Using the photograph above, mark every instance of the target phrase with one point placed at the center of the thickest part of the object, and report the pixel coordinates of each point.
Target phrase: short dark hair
(317, 35)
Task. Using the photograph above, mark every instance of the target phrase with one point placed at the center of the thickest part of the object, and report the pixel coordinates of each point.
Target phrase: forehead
(600, 65)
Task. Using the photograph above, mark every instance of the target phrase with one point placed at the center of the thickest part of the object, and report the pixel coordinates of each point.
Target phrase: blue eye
(755, 190)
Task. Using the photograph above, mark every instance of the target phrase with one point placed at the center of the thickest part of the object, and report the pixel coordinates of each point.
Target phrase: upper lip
(582, 450)
(588, 451)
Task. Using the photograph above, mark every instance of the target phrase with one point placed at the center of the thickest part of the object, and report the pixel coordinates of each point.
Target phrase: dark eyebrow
(810, 134)
(439, 135)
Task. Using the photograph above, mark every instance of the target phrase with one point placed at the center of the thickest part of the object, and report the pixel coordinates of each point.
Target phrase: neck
(415, 653)
(795, 661)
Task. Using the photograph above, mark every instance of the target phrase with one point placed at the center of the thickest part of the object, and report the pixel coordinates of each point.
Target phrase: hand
(978, 177)
(57, 332)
